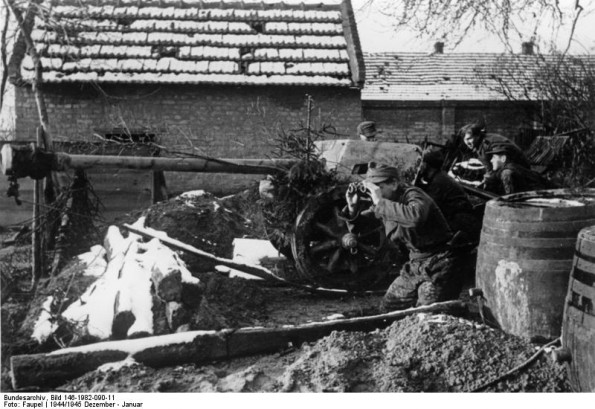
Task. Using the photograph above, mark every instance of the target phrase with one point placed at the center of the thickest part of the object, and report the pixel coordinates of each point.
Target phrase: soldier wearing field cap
(513, 177)
(411, 218)
(367, 131)
(479, 142)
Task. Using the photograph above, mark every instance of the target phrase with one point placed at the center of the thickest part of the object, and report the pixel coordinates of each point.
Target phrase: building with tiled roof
(243, 42)
(220, 75)
(417, 95)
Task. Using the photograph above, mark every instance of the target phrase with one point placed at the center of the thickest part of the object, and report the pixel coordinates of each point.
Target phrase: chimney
(527, 48)
(438, 47)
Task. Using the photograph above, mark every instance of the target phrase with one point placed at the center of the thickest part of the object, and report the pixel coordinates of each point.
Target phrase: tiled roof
(454, 77)
(292, 42)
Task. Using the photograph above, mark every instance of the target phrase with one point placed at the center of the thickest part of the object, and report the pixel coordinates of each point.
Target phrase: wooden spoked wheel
(328, 253)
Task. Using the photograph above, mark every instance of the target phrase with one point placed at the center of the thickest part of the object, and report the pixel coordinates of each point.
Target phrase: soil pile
(208, 223)
(422, 353)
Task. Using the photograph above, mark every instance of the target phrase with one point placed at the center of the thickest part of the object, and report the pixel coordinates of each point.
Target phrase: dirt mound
(422, 353)
(208, 223)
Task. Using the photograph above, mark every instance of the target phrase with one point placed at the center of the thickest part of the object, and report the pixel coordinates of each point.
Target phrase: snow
(250, 251)
(94, 260)
(116, 366)
(192, 194)
(133, 346)
(557, 202)
(44, 327)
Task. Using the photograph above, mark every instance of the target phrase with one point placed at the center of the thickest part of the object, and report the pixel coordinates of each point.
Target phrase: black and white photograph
(203, 198)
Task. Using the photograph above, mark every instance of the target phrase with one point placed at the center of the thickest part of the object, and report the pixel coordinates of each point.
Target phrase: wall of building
(414, 121)
(219, 121)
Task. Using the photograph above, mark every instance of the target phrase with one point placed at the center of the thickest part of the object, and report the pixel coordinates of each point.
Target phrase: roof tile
(283, 41)
(435, 77)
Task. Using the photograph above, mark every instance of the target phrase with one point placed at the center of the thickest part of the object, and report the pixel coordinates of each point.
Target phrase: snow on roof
(394, 76)
(286, 41)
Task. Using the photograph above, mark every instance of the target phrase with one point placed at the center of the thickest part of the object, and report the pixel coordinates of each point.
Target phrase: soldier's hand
(374, 191)
(352, 197)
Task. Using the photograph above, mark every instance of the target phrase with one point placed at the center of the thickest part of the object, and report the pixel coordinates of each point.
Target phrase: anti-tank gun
(325, 250)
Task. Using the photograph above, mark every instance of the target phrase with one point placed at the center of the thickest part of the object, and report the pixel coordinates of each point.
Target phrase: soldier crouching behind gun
(412, 218)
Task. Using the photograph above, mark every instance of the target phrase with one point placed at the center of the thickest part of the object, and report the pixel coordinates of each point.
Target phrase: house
(205, 77)
(414, 96)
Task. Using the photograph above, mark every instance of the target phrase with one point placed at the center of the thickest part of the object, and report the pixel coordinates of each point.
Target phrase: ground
(421, 353)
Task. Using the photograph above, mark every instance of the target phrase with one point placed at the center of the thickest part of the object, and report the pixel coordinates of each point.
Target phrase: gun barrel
(20, 161)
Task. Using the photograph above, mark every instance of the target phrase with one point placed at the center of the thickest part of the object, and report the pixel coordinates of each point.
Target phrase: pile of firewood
(138, 279)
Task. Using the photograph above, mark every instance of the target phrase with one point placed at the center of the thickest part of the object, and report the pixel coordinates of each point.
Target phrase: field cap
(379, 172)
(367, 129)
(500, 148)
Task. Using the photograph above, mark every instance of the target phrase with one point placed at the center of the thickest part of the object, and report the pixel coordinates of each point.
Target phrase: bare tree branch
(4, 56)
(579, 9)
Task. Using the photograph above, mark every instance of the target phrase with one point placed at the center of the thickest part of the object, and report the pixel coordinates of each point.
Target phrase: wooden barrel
(578, 329)
(525, 256)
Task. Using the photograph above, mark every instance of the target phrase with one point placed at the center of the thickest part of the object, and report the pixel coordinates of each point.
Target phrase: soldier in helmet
(367, 131)
(410, 217)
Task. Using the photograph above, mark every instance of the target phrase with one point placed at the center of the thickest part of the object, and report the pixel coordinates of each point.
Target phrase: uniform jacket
(414, 219)
(516, 178)
(448, 195)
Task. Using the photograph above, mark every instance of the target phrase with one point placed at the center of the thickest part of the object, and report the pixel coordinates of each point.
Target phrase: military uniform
(487, 143)
(412, 218)
(453, 203)
(515, 178)
(430, 275)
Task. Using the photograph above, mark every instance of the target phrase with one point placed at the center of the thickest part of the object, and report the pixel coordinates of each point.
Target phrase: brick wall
(412, 122)
(221, 121)
(406, 124)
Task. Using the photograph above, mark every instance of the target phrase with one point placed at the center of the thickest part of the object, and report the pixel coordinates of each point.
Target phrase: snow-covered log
(55, 368)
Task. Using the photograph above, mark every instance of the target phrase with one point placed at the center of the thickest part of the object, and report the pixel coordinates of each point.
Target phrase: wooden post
(38, 227)
(36, 236)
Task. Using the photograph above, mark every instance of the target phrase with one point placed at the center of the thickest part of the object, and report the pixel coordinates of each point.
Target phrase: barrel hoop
(528, 253)
(583, 276)
(584, 290)
(544, 215)
(584, 256)
(506, 231)
(539, 225)
(580, 317)
(581, 302)
(566, 243)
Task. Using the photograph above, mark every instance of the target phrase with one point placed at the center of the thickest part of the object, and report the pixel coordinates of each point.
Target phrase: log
(139, 282)
(255, 270)
(176, 315)
(94, 310)
(55, 368)
(165, 272)
(114, 243)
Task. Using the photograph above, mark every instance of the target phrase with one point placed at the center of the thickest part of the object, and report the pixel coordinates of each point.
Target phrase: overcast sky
(377, 34)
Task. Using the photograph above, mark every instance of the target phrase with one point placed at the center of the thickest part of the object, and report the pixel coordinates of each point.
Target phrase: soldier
(410, 217)
(513, 177)
(367, 131)
(479, 143)
(450, 197)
